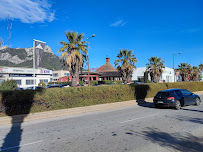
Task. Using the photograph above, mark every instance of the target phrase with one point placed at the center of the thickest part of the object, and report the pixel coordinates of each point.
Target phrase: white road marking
(21, 145)
(138, 118)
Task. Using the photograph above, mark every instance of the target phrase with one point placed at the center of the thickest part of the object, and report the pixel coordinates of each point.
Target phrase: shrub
(81, 82)
(42, 84)
(25, 101)
(93, 82)
(8, 85)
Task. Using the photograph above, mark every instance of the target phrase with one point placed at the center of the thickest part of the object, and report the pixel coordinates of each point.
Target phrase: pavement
(133, 128)
(73, 111)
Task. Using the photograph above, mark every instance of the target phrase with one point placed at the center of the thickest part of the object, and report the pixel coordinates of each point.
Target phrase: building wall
(139, 73)
(24, 76)
(60, 73)
(167, 75)
(201, 77)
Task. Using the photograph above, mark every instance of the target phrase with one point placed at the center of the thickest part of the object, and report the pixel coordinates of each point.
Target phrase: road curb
(73, 111)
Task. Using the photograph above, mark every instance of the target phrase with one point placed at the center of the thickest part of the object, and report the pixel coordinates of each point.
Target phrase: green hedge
(26, 101)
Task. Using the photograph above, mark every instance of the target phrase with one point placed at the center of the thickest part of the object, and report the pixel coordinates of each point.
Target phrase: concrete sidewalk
(72, 111)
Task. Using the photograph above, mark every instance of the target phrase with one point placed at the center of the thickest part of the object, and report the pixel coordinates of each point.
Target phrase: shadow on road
(145, 104)
(190, 119)
(192, 110)
(16, 104)
(176, 141)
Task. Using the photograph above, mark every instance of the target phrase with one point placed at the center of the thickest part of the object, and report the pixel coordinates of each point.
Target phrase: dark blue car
(176, 98)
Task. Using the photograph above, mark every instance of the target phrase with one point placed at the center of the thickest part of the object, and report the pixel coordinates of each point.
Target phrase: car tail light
(170, 98)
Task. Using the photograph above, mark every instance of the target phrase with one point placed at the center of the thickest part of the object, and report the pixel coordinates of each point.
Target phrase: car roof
(174, 89)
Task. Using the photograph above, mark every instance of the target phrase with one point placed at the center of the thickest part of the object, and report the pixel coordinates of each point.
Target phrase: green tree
(201, 67)
(74, 53)
(146, 77)
(195, 73)
(155, 68)
(185, 71)
(125, 64)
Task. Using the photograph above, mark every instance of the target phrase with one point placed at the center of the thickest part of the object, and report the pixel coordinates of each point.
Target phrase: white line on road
(138, 118)
(21, 145)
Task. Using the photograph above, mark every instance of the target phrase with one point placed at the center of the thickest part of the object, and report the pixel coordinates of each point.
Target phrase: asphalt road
(136, 129)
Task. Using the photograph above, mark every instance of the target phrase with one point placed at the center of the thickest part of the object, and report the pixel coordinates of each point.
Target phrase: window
(18, 82)
(44, 80)
(30, 82)
(55, 75)
(185, 92)
(178, 93)
(162, 94)
(66, 73)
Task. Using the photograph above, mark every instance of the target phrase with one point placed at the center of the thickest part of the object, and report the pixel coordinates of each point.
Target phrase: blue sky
(148, 27)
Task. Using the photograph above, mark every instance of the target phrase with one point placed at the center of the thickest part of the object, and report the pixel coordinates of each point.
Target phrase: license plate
(160, 102)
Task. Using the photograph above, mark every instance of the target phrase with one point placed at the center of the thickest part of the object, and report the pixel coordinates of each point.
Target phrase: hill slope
(23, 57)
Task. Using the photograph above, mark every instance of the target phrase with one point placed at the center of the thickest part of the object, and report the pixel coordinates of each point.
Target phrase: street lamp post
(93, 35)
(173, 63)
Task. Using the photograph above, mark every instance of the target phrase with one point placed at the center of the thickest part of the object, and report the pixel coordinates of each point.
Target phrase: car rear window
(162, 94)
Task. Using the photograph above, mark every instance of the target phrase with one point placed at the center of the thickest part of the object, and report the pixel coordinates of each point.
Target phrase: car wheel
(177, 105)
(197, 102)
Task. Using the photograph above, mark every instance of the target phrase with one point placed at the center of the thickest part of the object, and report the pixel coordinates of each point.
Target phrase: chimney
(107, 60)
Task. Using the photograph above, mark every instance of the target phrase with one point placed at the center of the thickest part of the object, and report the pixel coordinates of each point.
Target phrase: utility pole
(9, 27)
(88, 59)
(173, 64)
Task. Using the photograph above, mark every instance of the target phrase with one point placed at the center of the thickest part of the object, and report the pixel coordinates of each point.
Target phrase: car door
(186, 96)
(192, 98)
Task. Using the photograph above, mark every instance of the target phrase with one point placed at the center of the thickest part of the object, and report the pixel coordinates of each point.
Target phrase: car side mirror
(192, 94)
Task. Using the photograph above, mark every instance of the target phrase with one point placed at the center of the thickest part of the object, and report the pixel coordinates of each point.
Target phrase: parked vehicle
(80, 85)
(139, 82)
(64, 86)
(176, 98)
(53, 86)
(19, 88)
(32, 88)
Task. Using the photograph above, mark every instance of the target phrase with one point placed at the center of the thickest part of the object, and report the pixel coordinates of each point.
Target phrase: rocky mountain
(23, 57)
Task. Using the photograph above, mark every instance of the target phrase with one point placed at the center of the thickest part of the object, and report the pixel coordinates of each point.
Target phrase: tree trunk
(74, 81)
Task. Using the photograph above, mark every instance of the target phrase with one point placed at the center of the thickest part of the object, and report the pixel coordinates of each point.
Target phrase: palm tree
(201, 67)
(185, 71)
(195, 73)
(125, 64)
(74, 53)
(155, 68)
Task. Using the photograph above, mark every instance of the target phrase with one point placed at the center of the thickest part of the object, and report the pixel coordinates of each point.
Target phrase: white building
(59, 73)
(25, 76)
(167, 75)
(201, 77)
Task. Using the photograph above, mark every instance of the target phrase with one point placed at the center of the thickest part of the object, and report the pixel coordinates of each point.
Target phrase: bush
(42, 84)
(93, 82)
(81, 82)
(25, 101)
(8, 85)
